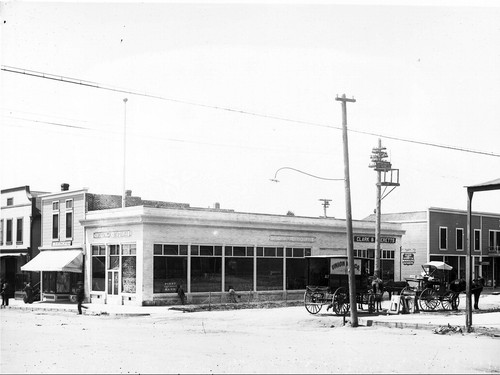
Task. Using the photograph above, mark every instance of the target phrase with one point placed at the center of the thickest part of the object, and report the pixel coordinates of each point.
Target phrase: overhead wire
(96, 85)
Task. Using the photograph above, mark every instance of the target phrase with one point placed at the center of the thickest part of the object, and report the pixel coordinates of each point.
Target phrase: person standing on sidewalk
(5, 294)
(80, 296)
(181, 294)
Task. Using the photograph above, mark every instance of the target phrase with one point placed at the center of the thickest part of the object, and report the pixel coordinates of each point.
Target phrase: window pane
(442, 238)
(298, 253)
(170, 249)
(249, 251)
(269, 252)
(289, 252)
(55, 226)
(69, 224)
(98, 273)
(157, 249)
(19, 230)
(318, 269)
(218, 250)
(206, 274)
(239, 251)
(228, 251)
(114, 262)
(194, 249)
(168, 272)
(9, 231)
(477, 240)
(183, 250)
(460, 236)
(239, 273)
(113, 249)
(260, 251)
(269, 274)
(387, 269)
(279, 252)
(128, 274)
(207, 250)
(296, 273)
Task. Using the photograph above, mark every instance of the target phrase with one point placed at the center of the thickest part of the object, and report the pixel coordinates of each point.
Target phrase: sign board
(371, 239)
(61, 243)
(170, 287)
(114, 234)
(338, 266)
(408, 259)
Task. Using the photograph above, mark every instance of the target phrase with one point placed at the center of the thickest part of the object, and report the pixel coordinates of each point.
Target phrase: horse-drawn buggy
(433, 289)
(328, 284)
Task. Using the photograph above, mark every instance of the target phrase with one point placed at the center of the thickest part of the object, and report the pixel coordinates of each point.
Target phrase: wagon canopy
(438, 265)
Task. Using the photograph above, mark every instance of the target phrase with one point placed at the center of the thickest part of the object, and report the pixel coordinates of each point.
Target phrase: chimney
(217, 205)
(64, 187)
(128, 193)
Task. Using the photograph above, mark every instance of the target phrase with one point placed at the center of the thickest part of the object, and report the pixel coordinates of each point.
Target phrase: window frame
(10, 201)
(477, 231)
(457, 230)
(71, 226)
(441, 229)
(55, 228)
(19, 230)
(8, 231)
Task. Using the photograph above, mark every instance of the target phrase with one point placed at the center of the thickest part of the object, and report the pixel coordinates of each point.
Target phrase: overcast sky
(237, 91)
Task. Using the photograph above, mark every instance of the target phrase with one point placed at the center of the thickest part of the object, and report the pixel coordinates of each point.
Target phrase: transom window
(10, 201)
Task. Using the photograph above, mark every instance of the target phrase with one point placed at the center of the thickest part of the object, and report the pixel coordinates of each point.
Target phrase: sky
(221, 95)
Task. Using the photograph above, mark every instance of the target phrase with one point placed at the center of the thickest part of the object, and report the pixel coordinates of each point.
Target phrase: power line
(96, 85)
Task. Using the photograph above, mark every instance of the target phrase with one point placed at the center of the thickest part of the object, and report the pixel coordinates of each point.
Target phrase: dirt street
(281, 340)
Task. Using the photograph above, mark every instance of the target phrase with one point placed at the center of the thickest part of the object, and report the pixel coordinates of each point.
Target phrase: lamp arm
(308, 174)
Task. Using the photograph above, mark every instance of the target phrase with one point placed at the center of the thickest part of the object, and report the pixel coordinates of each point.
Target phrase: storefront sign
(115, 234)
(170, 287)
(339, 266)
(408, 259)
(292, 238)
(61, 243)
(372, 239)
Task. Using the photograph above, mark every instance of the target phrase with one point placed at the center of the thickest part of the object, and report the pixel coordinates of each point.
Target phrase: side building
(441, 234)
(20, 227)
(138, 255)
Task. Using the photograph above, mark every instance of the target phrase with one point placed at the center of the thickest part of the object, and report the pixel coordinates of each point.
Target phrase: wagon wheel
(340, 301)
(450, 301)
(447, 300)
(313, 301)
(428, 299)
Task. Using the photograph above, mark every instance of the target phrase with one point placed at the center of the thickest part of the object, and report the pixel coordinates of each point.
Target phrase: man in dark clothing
(5, 294)
(28, 293)
(477, 288)
(180, 293)
(80, 296)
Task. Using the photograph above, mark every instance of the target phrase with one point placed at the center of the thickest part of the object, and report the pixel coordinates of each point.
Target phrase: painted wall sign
(372, 239)
(115, 234)
(307, 239)
(338, 266)
(61, 243)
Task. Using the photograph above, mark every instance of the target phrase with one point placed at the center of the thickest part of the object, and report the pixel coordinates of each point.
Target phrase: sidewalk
(485, 320)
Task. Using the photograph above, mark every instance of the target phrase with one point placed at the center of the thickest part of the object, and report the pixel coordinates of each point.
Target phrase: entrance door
(113, 277)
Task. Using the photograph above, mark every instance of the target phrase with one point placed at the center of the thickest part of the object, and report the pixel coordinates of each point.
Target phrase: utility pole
(380, 164)
(326, 204)
(124, 150)
(350, 240)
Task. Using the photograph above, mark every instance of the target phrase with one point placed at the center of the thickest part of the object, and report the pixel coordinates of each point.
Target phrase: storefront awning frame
(56, 260)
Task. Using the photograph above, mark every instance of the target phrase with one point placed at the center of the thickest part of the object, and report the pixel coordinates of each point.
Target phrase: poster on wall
(408, 259)
(128, 274)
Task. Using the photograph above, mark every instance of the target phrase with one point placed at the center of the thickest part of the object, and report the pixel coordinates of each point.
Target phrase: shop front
(140, 255)
(61, 270)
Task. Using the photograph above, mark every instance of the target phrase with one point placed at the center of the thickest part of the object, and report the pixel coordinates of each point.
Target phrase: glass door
(113, 276)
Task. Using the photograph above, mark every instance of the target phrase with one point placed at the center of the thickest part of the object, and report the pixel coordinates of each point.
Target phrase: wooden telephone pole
(350, 240)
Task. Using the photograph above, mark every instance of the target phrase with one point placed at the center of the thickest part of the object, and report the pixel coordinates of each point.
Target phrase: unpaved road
(281, 340)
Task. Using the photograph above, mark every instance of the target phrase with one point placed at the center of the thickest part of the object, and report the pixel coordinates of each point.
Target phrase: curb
(430, 327)
(74, 310)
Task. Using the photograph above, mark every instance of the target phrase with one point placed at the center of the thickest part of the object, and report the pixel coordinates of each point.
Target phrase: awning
(56, 260)
(12, 254)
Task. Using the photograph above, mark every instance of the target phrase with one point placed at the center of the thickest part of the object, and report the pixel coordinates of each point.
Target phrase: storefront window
(206, 275)
(269, 273)
(60, 282)
(296, 273)
(98, 268)
(128, 274)
(239, 273)
(168, 272)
